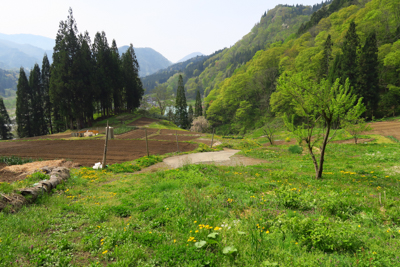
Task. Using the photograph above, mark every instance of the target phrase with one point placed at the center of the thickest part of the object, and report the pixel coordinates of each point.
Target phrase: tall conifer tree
(102, 57)
(368, 76)
(23, 112)
(198, 107)
(133, 89)
(85, 89)
(115, 75)
(326, 58)
(64, 74)
(349, 59)
(181, 113)
(190, 116)
(39, 126)
(46, 92)
(5, 122)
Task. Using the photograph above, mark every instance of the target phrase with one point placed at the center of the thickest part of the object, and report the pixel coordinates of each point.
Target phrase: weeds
(273, 214)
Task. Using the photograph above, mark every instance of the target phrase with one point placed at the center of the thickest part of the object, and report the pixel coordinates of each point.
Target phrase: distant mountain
(14, 56)
(34, 40)
(149, 60)
(24, 50)
(192, 55)
(188, 69)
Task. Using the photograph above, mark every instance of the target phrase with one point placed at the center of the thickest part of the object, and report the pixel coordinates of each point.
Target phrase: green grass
(164, 124)
(123, 129)
(29, 181)
(274, 214)
(14, 160)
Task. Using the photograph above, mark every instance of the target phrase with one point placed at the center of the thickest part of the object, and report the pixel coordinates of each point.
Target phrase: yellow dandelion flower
(105, 251)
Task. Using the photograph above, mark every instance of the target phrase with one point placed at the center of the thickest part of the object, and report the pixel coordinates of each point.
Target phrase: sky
(174, 28)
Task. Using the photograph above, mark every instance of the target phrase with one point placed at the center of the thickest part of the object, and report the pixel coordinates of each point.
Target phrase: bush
(14, 160)
(199, 124)
(295, 149)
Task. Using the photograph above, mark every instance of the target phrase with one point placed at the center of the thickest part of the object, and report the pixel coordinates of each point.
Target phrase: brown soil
(142, 122)
(136, 134)
(19, 172)
(173, 137)
(88, 152)
(282, 142)
(50, 136)
(386, 128)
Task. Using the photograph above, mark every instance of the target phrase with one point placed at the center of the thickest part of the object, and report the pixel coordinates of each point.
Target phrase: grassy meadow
(273, 214)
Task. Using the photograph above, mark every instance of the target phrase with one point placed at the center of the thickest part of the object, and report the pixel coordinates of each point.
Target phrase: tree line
(84, 79)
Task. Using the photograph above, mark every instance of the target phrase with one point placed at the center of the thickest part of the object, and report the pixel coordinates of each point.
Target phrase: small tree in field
(319, 105)
(356, 127)
(271, 128)
(199, 124)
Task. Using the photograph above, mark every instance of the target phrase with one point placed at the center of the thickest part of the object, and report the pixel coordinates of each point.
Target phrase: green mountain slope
(243, 99)
(189, 68)
(276, 25)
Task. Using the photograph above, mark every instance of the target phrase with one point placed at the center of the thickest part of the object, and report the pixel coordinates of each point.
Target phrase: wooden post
(177, 144)
(105, 148)
(212, 139)
(147, 143)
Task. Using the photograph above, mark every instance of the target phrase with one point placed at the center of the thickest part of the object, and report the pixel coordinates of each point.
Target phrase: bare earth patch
(14, 173)
(386, 128)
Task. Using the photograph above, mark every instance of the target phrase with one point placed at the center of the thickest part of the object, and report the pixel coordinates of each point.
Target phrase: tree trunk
(312, 156)
(321, 159)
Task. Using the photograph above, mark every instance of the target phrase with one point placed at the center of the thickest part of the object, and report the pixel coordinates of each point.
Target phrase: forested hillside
(243, 100)
(275, 25)
(189, 68)
(8, 82)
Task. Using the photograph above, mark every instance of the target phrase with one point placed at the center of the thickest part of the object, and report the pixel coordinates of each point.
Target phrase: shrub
(199, 124)
(295, 149)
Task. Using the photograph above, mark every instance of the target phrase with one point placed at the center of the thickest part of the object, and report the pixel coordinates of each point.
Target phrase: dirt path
(226, 157)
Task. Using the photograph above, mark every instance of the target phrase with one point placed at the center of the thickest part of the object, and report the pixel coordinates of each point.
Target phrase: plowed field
(386, 128)
(88, 152)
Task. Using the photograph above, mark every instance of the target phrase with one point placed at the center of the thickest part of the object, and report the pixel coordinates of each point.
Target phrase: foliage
(23, 109)
(85, 78)
(135, 165)
(181, 113)
(163, 97)
(270, 214)
(296, 149)
(271, 128)
(356, 127)
(198, 108)
(14, 160)
(5, 122)
(200, 125)
(318, 105)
